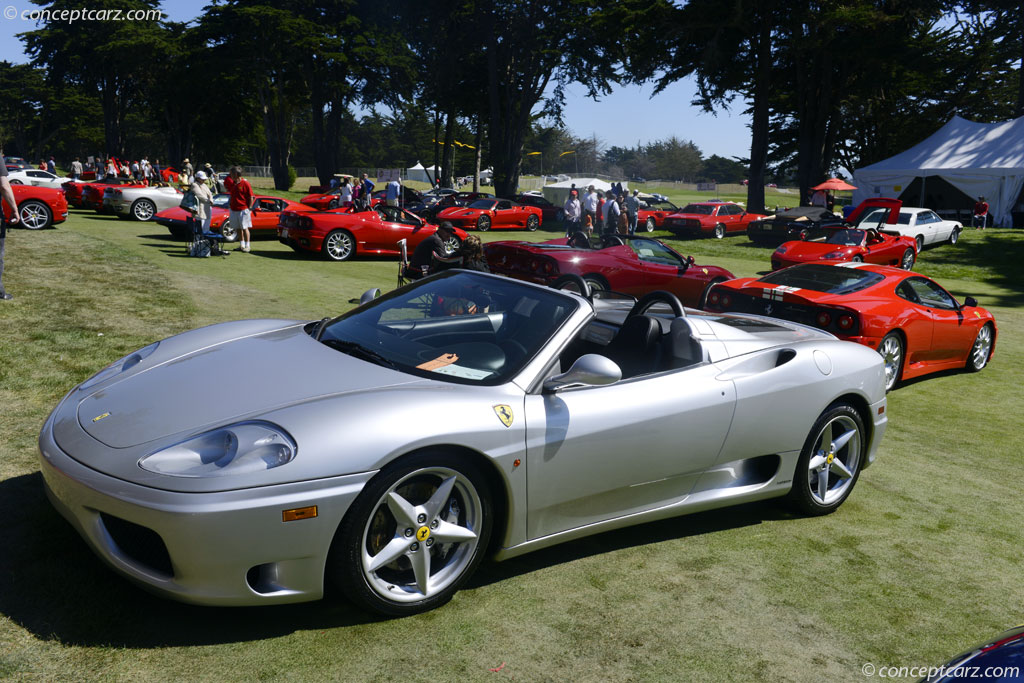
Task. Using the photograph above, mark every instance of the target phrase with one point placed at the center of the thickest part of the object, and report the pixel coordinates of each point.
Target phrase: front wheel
(954, 236)
(830, 462)
(339, 245)
(981, 350)
(857, 259)
(532, 223)
(907, 262)
(35, 215)
(719, 231)
(650, 224)
(891, 351)
(414, 535)
(483, 224)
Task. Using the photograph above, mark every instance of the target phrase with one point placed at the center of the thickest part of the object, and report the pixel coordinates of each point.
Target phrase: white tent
(418, 173)
(557, 193)
(979, 159)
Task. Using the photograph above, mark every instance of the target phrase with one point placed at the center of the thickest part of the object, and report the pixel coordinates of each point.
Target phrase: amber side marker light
(298, 513)
(881, 410)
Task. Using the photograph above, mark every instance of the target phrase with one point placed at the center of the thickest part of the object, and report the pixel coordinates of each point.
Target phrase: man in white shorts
(240, 205)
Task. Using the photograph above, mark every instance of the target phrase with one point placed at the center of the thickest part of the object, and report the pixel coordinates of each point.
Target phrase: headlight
(236, 449)
(833, 254)
(781, 250)
(118, 366)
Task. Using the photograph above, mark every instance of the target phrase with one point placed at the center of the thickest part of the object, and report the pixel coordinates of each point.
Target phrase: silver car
(389, 449)
(140, 203)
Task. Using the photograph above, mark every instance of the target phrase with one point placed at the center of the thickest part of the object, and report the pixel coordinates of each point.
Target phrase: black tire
(907, 262)
(34, 215)
(816, 455)
(371, 525)
(857, 259)
(954, 236)
(920, 243)
(339, 245)
(596, 283)
(804, 234)
(228, 231)
(719, 231)
(650, 224)
(142, 210)
(981, 351)
(573, 283)
(532, 223)
(893, 353)
(483, 224)
(333, 204)
(16, 182)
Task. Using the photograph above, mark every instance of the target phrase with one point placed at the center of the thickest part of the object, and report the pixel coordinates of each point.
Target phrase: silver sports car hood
(221, 381)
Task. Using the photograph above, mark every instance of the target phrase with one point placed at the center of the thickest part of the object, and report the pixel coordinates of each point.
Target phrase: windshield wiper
(318, 329)
(358, 350)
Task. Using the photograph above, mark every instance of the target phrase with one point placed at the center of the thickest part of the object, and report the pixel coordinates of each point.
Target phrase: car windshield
(481, 204)
(822, 278)
(849, 237)
(655, 252)
(698, 208)
(657, 205)
(457, 326)
(221, 200)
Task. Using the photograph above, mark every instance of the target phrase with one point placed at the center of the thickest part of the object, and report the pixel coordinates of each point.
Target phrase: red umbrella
(834, 184)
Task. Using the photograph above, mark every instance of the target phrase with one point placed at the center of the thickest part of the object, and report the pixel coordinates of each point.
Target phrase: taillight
(713, 298)
(726, 300)
(548, 267)
(824, 319)
(845, 322)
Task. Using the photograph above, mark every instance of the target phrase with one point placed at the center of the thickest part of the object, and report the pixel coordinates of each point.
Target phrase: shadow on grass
(53, 586)
(999, 254)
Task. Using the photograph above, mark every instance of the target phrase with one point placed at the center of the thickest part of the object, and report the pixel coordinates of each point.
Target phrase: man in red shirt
(240, 204)
(980, 212)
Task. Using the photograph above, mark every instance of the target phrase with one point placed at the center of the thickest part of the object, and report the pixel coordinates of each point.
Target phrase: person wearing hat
(573, 212)
(633, 210)
(186, 168)
(204, 201)
(980, 213)
(431, 255)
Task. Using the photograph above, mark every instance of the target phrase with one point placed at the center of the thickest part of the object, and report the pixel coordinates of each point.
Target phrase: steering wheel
(612, 241)
(573, 283)
(659, 296)
(579, 240)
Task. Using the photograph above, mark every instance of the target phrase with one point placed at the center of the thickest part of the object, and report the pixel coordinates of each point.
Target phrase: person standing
(7, 196)
(76, 169)
(980, 213)
(611, 214)
(366, 191)
(819, 199)
(204, 201)
(573, 211)
(393, 188)
(186, 168)
(240, 205)
(590, 204)
(345, 193)
(633, 210)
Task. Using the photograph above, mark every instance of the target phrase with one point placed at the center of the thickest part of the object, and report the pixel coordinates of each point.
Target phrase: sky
(626, 117)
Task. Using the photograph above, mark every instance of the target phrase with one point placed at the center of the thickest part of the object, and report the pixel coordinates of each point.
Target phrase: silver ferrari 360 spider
(389, 449)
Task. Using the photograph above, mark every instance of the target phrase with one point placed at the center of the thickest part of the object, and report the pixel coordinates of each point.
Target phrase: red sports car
(38, 207)
(653, 212)
(710, 218)
(448, 201)
(265, 217)
(484, 214)
(916, 325)
(339, 235)
(92, 193)
(73, 189)
(839, 243)
(628, 264)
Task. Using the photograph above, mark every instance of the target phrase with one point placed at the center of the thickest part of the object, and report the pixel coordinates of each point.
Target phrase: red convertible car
(38, 207)
(915, 324)
(710, 218)
(339, 235)
(485, 214)
(653, 212)
(628, 264)
(265, 216)
(73, 189)
(92, 193)
(839, 243)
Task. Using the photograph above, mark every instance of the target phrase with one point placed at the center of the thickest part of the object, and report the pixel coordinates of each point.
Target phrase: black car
(791, 224)
(549, 212)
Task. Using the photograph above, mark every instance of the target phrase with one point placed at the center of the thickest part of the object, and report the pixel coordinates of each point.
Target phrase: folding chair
(403, 263)
(205, 243)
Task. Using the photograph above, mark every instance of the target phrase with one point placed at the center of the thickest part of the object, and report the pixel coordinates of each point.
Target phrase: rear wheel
(483, 224)
(719, 231)
(333, 204)
(339, 245)
(532, 223)
(907, 262)
(596, 283)
(830, 462)
(453, 245)
(35, 215)
(920, 243)
(229, 232)
(143, 210)
(891, 350)
(414, 535)
(981, 350)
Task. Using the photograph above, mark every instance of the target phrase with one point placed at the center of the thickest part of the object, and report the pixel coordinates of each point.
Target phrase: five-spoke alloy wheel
(891, 350)
(830, 461)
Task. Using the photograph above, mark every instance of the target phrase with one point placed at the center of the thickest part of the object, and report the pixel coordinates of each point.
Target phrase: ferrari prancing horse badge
(504, 414)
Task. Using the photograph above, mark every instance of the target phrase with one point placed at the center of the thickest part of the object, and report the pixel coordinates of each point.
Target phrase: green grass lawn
(921, 562)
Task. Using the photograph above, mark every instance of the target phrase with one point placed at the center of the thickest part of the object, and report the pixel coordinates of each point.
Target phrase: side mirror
(369, 295)
(589, 370)
(970, 301)
(690, 260)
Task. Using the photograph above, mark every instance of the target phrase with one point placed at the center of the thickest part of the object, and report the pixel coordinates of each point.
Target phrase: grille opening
(139, 543)
(263, 578)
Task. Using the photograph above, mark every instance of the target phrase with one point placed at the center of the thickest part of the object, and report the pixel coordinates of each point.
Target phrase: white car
(924, 225)
(140, 203)
(37, 177)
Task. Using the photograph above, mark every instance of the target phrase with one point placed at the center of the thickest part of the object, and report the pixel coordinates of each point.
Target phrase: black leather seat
(636, 348)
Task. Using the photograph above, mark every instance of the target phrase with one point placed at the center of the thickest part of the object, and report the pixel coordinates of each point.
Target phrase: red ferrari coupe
(339, 235)
(38, 207)
(265, 216)
(710, 218)
(628, 264)
(839, 243)
(484, 214)
(916, 325)
(653, 212)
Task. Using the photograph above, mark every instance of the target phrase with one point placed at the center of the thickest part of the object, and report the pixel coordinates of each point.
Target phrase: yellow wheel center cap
(831, 457)
(423, 534)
